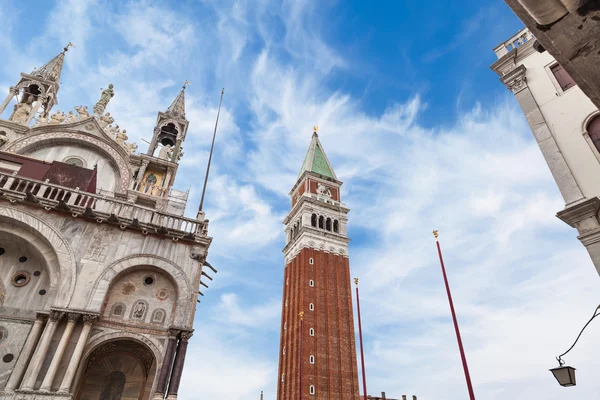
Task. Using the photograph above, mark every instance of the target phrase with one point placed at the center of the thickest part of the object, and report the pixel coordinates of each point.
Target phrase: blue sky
(417, 126)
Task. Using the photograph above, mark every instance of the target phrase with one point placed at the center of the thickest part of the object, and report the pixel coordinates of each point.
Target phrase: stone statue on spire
(107, 94)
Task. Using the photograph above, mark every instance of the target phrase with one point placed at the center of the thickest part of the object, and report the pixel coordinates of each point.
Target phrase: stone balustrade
(100, 208)
(522, 37)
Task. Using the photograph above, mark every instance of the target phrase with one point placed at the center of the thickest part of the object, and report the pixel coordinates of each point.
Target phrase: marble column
(58, 354)
(28, 348)
(176, 150)
(166, 365)
(88, 321)
(34, 110)
(12, 92)
(40, 354)
(154, 142)
(178, 365)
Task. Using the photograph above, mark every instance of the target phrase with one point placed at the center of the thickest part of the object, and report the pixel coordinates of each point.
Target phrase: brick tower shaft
(317, 284)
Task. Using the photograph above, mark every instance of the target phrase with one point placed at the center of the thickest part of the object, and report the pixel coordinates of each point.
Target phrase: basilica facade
(99, 268)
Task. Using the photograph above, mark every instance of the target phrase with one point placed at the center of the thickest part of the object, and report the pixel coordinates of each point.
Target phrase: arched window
(311, 332)
(311, 359)
(311, 307)
(593, 129)
(313, 220)
(311, 261)
(336, 226)
(321, 222)
(118, 310)
(311, 283)
(312, 389)
(328, 224)
(158, 316)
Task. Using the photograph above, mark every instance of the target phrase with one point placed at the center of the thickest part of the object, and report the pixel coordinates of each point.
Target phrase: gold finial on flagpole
(301, 315)
(435, 234)
(356, 281)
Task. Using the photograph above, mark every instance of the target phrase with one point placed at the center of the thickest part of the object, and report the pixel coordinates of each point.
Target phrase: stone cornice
(516, 79)
(309, 239)
(580, 211)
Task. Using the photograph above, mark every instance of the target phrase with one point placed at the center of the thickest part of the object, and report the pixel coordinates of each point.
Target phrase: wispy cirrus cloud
(521, 280)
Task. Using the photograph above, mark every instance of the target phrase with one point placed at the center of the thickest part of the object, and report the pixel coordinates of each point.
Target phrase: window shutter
(594, 131)
(564, 79)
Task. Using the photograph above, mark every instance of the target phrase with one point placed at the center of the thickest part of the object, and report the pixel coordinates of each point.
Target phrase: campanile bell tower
(318, 355)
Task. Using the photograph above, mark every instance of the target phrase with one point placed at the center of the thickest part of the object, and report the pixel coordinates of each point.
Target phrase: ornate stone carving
(199, 254)
(140, 351)
(323, 190)
(186, 335)
(128, 288)
(105, 120)
(98, 244)
(83, 112)
(180, 155)
(166, 152)
(105, 97)
(89, 319)
(121, 137)
(131, 147)
(162, 294)
(518, 84)
(57, 118)
(56, 315)
(22, 111)
(71, 117)
(73, 317)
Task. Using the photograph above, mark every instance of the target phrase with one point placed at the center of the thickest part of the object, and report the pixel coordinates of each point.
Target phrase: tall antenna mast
(211, 153)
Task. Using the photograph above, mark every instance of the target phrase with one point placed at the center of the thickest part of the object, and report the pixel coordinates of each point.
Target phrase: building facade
(99, 269)
(566, 126)
(569, 31)
(317, 346)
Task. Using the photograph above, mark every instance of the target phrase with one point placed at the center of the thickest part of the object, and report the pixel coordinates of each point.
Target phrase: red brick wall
(334, 373)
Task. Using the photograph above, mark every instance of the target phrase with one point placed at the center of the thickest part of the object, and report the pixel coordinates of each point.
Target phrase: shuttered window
(593, 129)
(562, 77)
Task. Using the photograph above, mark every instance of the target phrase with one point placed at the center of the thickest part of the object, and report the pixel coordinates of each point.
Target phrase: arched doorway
(118, 370)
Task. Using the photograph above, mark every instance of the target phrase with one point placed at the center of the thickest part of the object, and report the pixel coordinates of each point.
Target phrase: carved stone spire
(52, 69)
(177, 108)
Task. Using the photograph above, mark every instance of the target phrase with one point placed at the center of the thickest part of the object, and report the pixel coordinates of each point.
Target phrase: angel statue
(83, 112)
(105, 120)
(22, 110)
(166, 152)
(121, 137)
(107, 94)
(130, 147)
(57, 118)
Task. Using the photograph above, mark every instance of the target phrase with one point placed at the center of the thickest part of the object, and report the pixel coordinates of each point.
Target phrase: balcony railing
(522, 37)
(100, 208)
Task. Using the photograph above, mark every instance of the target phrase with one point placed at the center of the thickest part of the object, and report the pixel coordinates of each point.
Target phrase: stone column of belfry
(12, 92)
(60, 351)
(88, 322)
(178, 365)
(40, 354)
(317, 281)
(28, 348)
(34, 109)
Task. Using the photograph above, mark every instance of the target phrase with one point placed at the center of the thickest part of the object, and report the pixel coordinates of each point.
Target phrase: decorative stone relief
(162, 294)
(199, 254)
(98, 244)
(128, 288)
(517, 84)
(323, 190)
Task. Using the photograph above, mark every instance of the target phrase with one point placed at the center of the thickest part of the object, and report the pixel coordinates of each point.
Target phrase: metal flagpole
(300, 360)
(212, 146)
(460, 346)
(362, 354)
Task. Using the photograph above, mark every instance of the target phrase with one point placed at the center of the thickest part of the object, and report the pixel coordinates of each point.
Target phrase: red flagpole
(460, 346)
(362, 354)
(300, 361)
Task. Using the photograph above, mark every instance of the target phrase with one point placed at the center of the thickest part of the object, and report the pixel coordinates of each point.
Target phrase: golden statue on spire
(315, 128)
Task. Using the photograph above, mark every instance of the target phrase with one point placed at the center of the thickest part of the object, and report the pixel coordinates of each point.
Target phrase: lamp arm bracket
(559, 358)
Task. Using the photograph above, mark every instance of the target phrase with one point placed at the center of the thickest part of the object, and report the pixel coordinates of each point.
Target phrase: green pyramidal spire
(316, 160)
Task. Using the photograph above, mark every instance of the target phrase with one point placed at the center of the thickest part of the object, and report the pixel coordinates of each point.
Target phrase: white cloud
(522, 283)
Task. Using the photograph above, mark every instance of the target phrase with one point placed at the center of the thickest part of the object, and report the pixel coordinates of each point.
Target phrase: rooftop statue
(105, 97)
(22, 110)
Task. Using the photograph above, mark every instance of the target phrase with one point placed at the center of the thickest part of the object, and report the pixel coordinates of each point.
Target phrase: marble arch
(56, 251)
(108, 148)
(102, 284)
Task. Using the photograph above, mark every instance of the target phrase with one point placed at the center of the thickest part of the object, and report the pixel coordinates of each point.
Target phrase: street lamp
(566, 375)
